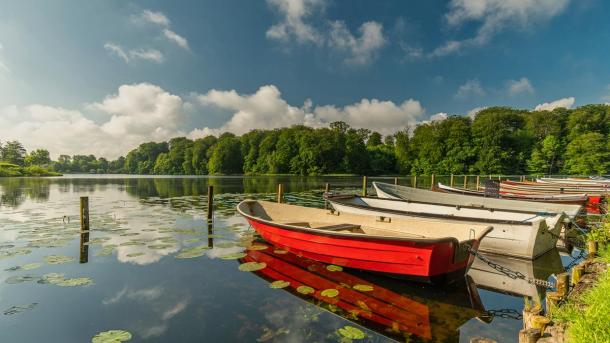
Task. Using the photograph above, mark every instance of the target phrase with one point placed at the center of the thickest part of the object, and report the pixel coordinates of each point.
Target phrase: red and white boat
(418, 249)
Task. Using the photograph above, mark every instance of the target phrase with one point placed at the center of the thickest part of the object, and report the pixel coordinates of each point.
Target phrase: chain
(505, 313)
(507, 271)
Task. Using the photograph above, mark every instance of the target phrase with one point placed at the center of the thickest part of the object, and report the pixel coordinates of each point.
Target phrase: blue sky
(134, 71)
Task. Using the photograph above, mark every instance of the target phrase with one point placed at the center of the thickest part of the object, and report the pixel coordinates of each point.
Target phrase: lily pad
(330, 293)
(30, 266)
(58, 259)
(191, 240)
(305, 290)
(112, 336)
(233, 256)
(135, 254)
(106, 251)
(160, 246)
(20, 279)
(334, 268)
(74, 282)
(351, 332)
(363, 288)
(279, 284)
(192, 252)
(18, 309)
(252, 266)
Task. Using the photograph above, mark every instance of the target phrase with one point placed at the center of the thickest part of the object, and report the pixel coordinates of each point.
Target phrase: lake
(152, 265)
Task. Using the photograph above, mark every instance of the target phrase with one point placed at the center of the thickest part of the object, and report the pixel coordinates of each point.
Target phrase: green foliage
(12, 152)
(9, 169)
(588, 154)
(226, 156)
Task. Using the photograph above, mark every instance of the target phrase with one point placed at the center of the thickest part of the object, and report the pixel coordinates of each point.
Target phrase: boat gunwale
(557, 198)
(356, 236)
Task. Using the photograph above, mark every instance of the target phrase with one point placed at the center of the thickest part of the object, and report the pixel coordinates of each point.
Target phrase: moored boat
(519, 234)
(418, 249)
(386, 190)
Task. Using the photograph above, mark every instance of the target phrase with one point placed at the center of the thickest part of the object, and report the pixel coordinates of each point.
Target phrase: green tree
(588, 154)
(13, 152)
(374, 140)
(544, 157)
(202, 150)
(402, 152)
(226, 156)
(38, 157)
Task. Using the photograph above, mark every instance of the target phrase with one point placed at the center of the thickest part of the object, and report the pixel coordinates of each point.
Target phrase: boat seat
(339, 227)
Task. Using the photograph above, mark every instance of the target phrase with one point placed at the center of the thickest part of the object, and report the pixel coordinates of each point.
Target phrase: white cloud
(549, 106)
(515, 87)
(176, 38)
(361, 49)
(439, 116)
(293, 14)
(138, 113)
(134, 54)
(473, 112)
(267, 109)
(148, 16)
(606, 96)
(295, 25)
(496, 16)
(469, 89)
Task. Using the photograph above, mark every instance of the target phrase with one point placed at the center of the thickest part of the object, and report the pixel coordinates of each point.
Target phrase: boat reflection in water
(394, 308)
(541, 268)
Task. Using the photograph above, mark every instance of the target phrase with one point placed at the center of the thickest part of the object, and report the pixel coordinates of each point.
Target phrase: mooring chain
(507, 271)
(505, 313)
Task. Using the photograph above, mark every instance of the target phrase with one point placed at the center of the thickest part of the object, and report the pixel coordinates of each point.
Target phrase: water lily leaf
(129, 234)
(191, 240)
(252, 266)
(279, 284)
(30, 266)
(233, 256)
(20, 279)
(305, 290)
(106, 251)
(363, 288)
(135, 254)
(351, 332)
(131, 243)
(51, 278)
(112, 336)
(18, 309)
(224, 245)
(79, 281)
(160, 246)
(334, 268)
(330, 293)
(257, 247)
(58, 259)
(280, 251)
(192, 252)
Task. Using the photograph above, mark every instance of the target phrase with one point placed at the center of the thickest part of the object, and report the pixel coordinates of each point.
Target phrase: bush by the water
(9, 169)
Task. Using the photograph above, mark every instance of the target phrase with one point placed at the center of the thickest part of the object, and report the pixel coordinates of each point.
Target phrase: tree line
(498, 140)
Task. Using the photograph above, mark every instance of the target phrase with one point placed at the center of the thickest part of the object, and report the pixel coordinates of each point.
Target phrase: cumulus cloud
(469, 89)
(439, 116)
(495, 16)
(295, 25)
(521, 86)
(148, 16)
(134, 54)
(549, 106)
(176, 38)
(137, 113)
(267, 109)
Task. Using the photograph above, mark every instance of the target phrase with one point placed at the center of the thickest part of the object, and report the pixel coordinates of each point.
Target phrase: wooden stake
(528, 313)
(414, 181)
(84, 213)
(562, 284)
(577, 272)
(210, 202)
(478, 182)
(592, 249)
(552, 301)
(451, 181)
(396, 181)
(465, 181)
(529, 335)
(280, 193)
(364, 184)
(540, 322)
(432, 186)
(210, 233)
(327, 188)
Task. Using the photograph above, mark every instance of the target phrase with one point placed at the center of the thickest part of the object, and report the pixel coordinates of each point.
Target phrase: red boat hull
(437, 262)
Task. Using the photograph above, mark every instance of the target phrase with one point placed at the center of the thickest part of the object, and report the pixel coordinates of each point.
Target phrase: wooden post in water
(414, 181)
(562, 284)
(432, 182)
(364, 183)
(529, 335)
(465, 181)
(84, 213)
(396, 181)
(210, 202)
(478, 182)
(577, 272)
(592, 249)
(210, 234)
(280, 193)
(451, 181)
(327, 188)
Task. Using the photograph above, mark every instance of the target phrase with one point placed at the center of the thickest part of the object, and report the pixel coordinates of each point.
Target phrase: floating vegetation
(224, 245)
(135, 254)
(233, 256)
(252, 266)
(21, 279)
(334, 268)
(58, 259)
(59, 279)
(106, 251)
(363, 288)
(192, 252)
(97, 240)
(14, 252)
(305, 290)
(160, 246)
(112, 336)
(351, 332)
(191, 240)
(279, 284)
(19, 308)
(129, 234)
(131, 243)
(329, 293)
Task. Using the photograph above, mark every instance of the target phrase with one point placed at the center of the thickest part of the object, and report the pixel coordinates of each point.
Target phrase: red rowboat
(389, 307)
(419, 249)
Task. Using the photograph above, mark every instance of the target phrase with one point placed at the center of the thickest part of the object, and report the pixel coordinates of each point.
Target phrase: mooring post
(465, 181)
(210, 234)
(562, 284)
(280, 193)
(396, 181)
(414, 181)
(529, 335)
(577, 272)
(432, 182)
(364, 183)
(84, 213)
(451, 180)
(478, 182)
(592, 249)
(210, 202)
(552, 300)
(327, 188)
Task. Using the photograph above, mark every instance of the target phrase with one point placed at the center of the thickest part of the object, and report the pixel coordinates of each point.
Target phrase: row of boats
(419, 234)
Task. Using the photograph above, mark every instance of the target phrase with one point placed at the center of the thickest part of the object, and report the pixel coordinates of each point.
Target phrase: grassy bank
(588, 315)
(9, 169)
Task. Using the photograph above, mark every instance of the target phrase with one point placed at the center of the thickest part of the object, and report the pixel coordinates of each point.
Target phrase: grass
(592, 324)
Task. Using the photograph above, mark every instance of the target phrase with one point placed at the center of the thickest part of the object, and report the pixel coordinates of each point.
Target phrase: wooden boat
(553, 188)
(386, 190)
(419, 249)
(578, 199)
(574, 181)
(541, 268)
(519, 234)
(390, 307)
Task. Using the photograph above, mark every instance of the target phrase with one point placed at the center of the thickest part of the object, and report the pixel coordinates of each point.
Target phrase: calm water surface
(151, 265)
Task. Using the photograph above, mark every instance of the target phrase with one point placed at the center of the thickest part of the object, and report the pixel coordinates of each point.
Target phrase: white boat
(541, 268)
(389, 191)
(599, 182)
(519, 234)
